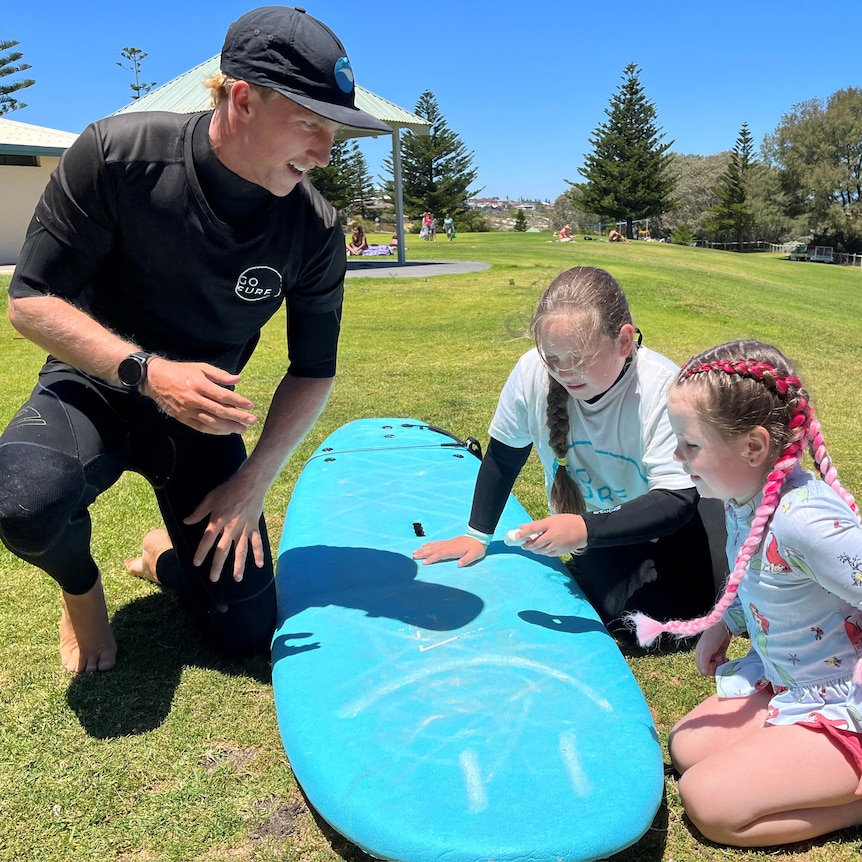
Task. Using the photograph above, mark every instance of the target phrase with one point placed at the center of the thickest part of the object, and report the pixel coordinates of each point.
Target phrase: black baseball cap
(298, 56)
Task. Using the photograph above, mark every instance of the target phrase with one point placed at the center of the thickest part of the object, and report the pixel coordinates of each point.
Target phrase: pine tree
(135, 56)
(628, 173)
(345, 181)
(335, 181)
(520, 221)
(436, 169)
(9, 65)
(731, 214)
(363, 186)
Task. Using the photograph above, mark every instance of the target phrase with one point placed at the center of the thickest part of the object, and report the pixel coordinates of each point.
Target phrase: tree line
(805, 183)
(436, 174)
(10, 65)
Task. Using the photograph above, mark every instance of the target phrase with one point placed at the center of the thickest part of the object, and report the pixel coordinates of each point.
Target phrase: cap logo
(344, 75)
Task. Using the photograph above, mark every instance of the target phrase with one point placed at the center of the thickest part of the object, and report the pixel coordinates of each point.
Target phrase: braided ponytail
(824, 465)
(566, 495)
(735, 393)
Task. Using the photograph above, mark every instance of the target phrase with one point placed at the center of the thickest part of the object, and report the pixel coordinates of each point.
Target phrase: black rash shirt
(125, 230)
(660, 512)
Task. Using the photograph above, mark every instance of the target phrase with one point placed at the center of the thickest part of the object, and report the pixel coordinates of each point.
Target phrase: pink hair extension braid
(648, 629)
(820, 455)
(746, 368)
(824, 464)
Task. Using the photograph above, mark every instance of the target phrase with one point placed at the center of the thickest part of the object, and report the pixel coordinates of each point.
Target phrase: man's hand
(234, 510)
(193, 393)
(235, 506)
(196, 394)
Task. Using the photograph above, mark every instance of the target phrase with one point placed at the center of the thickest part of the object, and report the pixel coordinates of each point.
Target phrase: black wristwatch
(133, 369)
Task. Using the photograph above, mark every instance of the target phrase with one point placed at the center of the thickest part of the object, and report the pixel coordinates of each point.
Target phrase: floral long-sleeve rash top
(800, 603)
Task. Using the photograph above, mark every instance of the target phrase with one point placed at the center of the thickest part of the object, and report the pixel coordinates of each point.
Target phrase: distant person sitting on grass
(616, 236)
(565, 234)
(358, 242)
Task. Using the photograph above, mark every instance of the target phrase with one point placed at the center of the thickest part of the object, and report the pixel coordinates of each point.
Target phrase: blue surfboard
(441, 713)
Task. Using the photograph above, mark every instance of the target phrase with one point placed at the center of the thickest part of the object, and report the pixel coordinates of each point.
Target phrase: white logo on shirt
(257, 283)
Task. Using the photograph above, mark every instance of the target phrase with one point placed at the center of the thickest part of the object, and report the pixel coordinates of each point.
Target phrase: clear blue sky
(524, 84)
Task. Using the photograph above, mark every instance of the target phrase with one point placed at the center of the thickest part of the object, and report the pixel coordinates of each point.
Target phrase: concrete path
(411, 269)
(386, 269)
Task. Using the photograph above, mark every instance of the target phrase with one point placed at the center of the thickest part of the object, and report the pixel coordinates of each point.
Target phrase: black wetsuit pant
(73, 440)
(677, 576)
(674, 577)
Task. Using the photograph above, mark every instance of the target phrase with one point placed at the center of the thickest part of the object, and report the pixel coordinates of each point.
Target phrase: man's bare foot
(155, 543)
(86, 641)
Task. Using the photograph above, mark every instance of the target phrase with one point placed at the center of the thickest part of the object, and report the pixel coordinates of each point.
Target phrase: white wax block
(511, 538)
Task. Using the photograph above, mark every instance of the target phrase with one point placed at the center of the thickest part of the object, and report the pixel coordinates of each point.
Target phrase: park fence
(839, 257)
(777, 248)
(734, 246)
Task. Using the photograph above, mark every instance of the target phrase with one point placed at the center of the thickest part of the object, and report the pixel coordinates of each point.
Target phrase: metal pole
(399, 200)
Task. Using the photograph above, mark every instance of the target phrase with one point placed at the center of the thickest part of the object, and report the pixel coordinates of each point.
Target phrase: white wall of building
(20, 189)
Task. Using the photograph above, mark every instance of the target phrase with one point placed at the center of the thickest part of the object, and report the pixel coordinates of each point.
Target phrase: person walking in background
(591, 400)
(161, 246)
(775, 755)
(449, 227)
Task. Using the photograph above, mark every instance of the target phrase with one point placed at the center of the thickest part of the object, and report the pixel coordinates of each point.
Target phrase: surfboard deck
(440, 713)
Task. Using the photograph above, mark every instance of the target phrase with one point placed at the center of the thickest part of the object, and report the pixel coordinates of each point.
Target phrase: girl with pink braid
(775, 756)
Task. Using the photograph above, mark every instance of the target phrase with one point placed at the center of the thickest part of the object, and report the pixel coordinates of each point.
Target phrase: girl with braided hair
(593, 403)
(775, 756)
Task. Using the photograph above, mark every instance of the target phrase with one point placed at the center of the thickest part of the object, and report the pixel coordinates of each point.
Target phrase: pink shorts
(848, 741)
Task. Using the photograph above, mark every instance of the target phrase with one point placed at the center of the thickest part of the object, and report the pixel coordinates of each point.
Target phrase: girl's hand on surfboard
(557, 535)
(464, 549)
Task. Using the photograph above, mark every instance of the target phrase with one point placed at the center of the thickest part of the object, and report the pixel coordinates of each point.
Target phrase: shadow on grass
(653, 842)
(624, 635)
(775, 851)
(156, 642)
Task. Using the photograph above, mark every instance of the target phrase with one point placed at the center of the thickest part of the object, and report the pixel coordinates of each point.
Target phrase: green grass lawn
(175, 755)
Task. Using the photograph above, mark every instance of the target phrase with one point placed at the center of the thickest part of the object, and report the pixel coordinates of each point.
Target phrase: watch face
(131, 371)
